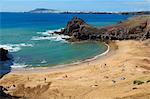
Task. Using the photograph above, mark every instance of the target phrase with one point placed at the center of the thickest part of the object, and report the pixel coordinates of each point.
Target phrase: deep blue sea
(28, 38)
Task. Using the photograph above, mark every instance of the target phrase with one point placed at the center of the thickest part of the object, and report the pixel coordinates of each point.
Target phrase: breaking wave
(14, 47)
(17, 65)
(49, 32)
(50, 35)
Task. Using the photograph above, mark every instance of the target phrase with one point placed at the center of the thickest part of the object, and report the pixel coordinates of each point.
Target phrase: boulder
(137, 82)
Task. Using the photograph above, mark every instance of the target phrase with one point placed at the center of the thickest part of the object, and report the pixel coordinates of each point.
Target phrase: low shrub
(148, 81)
(138, 82)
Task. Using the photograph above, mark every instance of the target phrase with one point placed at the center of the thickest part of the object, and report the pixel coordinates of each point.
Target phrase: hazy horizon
(76, 5)
(73, 10)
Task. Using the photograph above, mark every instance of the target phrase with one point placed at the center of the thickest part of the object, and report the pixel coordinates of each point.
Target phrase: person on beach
(45, 80)
(28, 78)
(103, 66)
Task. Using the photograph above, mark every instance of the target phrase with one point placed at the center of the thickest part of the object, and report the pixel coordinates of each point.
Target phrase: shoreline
(47, 68)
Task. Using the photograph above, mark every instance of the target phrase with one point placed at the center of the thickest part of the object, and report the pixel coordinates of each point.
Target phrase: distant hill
(43, 10)
(137, 13)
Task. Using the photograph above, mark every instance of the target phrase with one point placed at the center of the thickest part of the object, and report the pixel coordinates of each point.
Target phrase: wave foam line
(17, 65)
(49, 32)
(50, 35)
(14, 47)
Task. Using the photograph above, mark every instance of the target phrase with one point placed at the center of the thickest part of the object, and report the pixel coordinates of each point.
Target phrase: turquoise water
(28, 37)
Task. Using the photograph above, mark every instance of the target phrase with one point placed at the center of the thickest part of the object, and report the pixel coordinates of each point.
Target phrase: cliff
(137, 27)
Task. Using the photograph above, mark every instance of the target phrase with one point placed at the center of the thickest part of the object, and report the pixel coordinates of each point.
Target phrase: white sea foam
(14, 47)
(10, 48)
(6, 65)
(23, 44)
(50, 35)
(44, 61)
(17, 65)
(49, 32)
(41, 38)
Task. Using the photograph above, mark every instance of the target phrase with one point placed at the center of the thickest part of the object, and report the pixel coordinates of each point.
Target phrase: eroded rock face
(133, 28)
(3, 54)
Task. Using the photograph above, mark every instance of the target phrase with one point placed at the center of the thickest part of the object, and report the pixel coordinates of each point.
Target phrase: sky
(75, 5)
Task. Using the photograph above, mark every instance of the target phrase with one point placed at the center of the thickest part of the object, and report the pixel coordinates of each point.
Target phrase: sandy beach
(110, 76)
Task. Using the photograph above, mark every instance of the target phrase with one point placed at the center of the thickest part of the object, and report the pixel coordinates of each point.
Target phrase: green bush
(138, 82)
(148, 81)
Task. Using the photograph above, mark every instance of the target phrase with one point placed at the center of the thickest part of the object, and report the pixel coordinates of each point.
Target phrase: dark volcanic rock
(3, 54)
(74, 26)
(6, 61)
(78, 29)
(133, 28)
(4, 95)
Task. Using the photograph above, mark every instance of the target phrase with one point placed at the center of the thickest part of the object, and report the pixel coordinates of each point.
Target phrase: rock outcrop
(4, 95)
(6, 61)
(137, 27)
(3, 54)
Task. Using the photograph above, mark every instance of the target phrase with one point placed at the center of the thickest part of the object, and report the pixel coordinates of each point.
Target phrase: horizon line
(75, 11)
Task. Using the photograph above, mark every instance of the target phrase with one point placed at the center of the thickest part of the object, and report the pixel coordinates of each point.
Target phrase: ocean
(28, 37)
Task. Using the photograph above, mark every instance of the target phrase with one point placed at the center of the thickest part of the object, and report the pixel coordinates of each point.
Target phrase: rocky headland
(137, 27)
